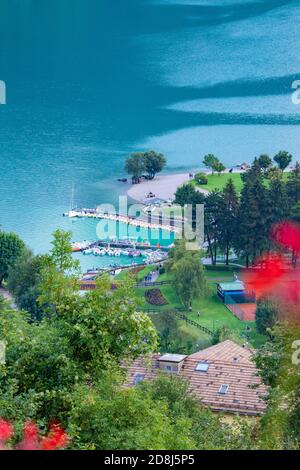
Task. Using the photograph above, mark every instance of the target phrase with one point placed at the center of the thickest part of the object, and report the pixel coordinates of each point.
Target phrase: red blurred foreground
(271, 275)
(55, 440)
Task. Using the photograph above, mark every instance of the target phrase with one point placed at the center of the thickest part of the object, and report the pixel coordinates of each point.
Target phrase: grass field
(213, 313)
(219, 181)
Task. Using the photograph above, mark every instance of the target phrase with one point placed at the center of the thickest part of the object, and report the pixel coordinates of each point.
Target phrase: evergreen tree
(293, 185)
(229, 218)
(253, 216)
(278, 201)
(215, 208)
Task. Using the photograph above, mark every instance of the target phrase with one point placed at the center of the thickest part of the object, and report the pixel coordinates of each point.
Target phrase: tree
(293, 185)
(228, 220)
(166, 324)
(154, 163)
(278, 201)
(135, 166)
(254, 215)
(46, 361)
(273, 173)
(295, 213)
(280, 426)
(23, 282)
(218, 167)
(283, 159)
(174, 336)
(266, 315)
(61, 252)
(215, 207)
(11, 248)
(158, 414)
(210, 161)
(189, 279)
(265, 162)
(59, 273)
(187, 194)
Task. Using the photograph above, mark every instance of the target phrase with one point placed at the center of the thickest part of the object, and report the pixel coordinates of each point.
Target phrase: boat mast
(72, 204)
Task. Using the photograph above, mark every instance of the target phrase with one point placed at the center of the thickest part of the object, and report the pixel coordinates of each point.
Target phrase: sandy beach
(163, 186)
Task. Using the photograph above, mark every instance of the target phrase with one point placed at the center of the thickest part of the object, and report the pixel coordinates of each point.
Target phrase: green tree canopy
(254, 215)
(218, 167)
(265, 162)
(23, 282)
(293, 185)
(11, 248)
(210, 161)
(154, 163)
(278, 201)
(215, 208)
(135, 165)
(266, 315)
(227, 218)
(189, 278)
(278, 366)
(283, 159)
(187, 194)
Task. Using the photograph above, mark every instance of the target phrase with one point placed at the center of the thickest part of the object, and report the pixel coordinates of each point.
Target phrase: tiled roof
(229, 364)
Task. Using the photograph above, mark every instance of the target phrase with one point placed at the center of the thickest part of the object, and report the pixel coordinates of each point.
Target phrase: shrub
(201, 178)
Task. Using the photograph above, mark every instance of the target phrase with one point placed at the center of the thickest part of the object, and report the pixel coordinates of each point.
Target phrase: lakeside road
(163, 187)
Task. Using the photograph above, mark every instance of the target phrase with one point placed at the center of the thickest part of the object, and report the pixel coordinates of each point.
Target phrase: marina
(138, 252)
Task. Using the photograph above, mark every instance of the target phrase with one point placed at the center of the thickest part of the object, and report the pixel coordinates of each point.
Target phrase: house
(223, 377)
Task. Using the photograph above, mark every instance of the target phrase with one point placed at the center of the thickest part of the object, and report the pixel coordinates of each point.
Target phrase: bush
(201, 178)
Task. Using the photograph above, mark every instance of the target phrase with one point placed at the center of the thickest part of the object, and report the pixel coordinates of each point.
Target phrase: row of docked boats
(108, 251)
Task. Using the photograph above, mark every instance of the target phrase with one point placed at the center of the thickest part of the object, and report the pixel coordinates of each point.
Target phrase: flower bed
(155, 297)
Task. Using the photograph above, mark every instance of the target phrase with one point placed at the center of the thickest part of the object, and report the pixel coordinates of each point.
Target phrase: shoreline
(164, 186)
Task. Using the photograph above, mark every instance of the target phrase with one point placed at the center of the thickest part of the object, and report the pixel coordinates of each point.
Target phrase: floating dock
(94, 214)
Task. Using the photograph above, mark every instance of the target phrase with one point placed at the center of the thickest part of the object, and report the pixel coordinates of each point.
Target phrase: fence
(152, 284)
(242, 306)
(179, 313)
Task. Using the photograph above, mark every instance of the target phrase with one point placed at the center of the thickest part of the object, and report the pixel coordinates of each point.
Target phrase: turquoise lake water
(90, 81)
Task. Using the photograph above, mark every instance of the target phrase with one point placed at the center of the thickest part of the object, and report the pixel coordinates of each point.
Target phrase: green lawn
(219, 181)
(138, 276)
(216, 181)
(219, 276)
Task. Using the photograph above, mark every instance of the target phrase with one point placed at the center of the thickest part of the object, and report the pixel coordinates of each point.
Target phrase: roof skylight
(223, 389)
(202, 367)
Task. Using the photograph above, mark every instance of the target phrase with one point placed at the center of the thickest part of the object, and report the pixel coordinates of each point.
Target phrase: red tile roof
(229, 364)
